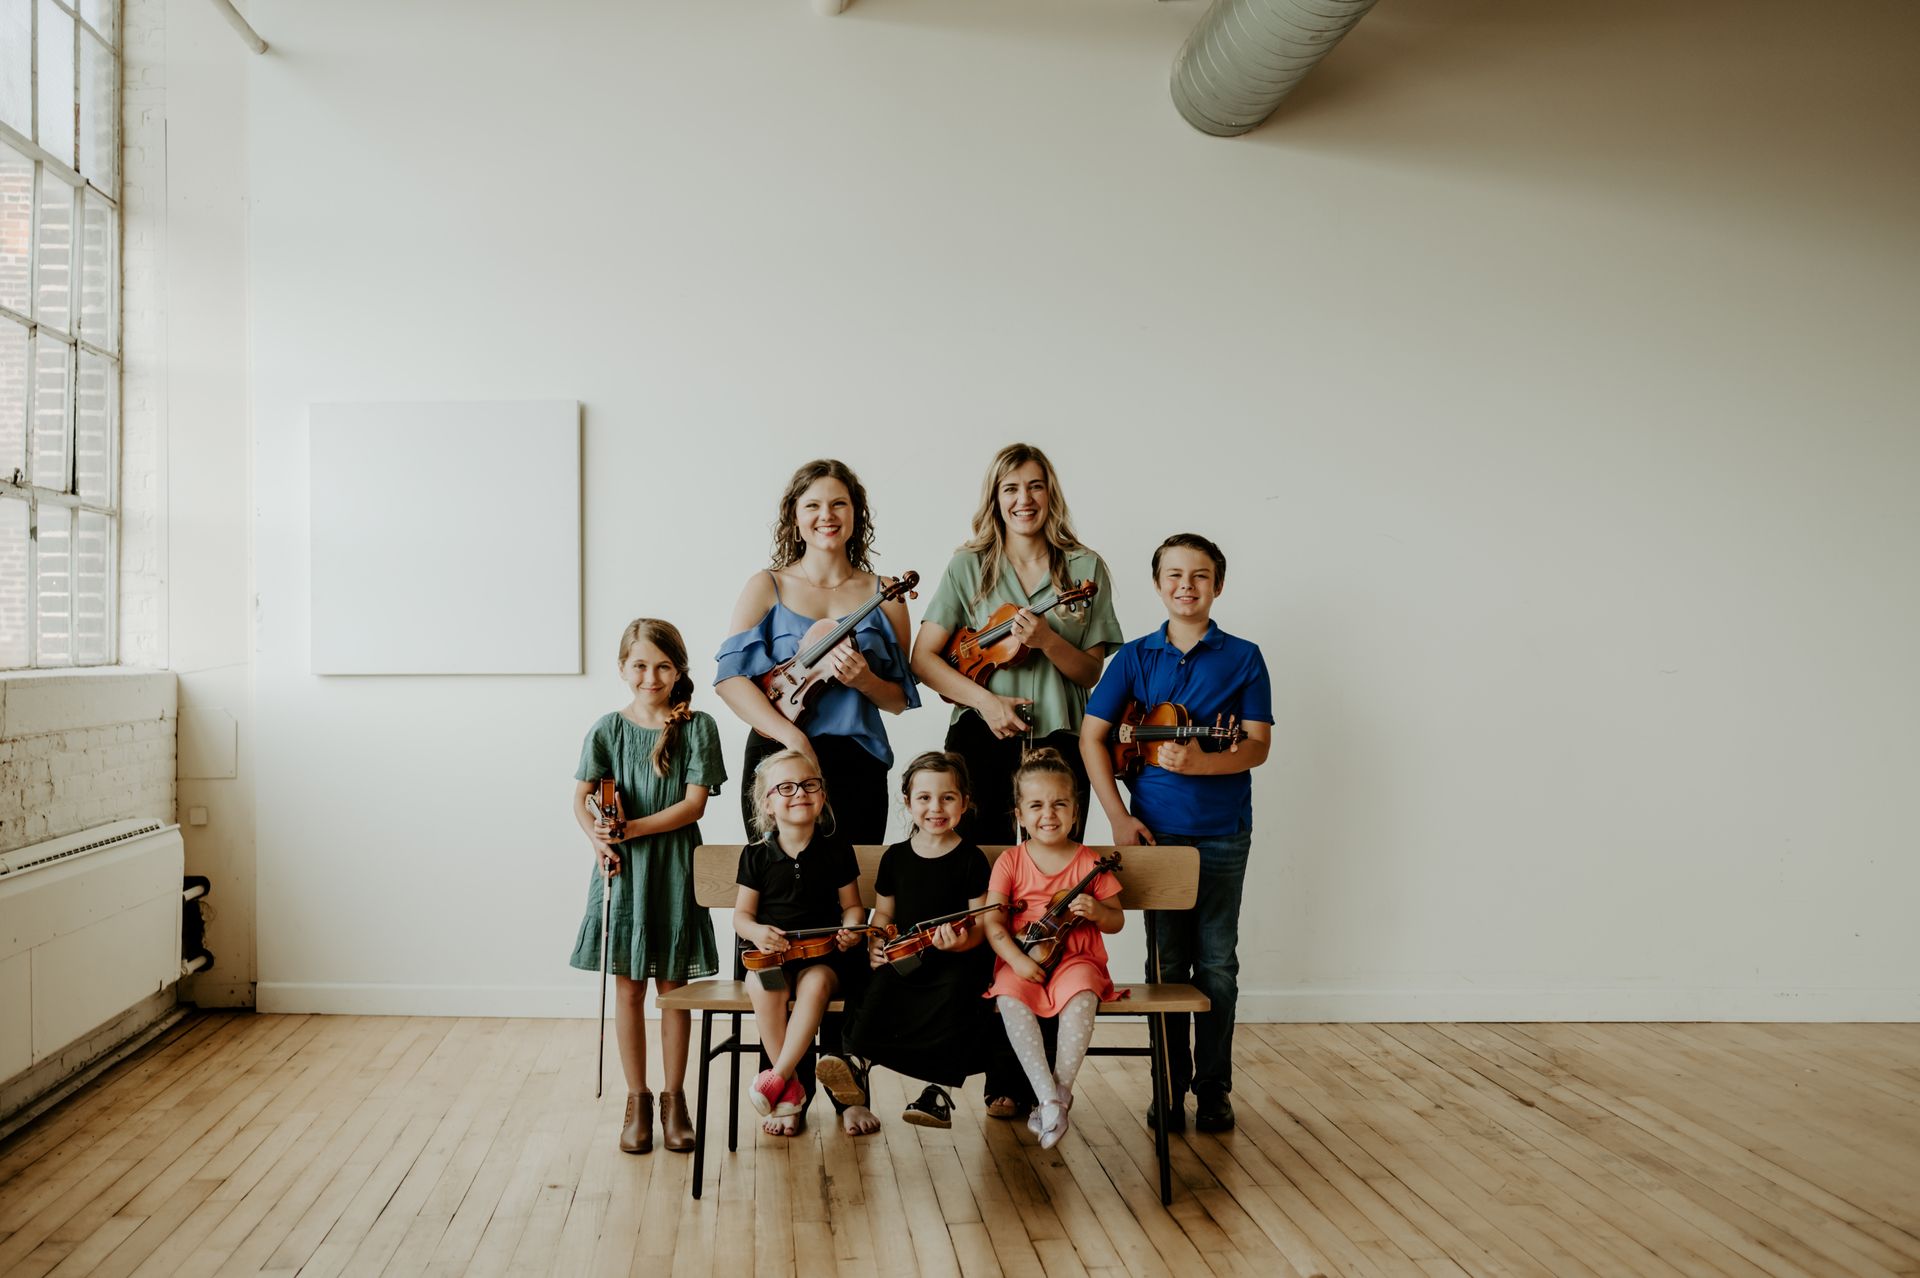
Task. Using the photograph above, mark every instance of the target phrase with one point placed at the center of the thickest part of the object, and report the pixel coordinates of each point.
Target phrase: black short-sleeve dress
(801, 892)
(929, 1023)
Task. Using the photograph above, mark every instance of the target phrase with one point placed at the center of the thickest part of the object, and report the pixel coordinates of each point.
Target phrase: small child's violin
(604, 803)
(904, 953)
(1042, 939)
(1141, 732)
(812, 942)
(978, 653)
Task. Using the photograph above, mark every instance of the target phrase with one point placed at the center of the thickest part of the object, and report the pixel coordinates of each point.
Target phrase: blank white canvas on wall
(446, 538)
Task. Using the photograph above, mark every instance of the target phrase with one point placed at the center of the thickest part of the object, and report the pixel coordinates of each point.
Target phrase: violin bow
(927, 924)
(606, 951)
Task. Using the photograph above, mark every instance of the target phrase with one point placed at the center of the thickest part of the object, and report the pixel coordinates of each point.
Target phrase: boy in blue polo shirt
(1192, 797)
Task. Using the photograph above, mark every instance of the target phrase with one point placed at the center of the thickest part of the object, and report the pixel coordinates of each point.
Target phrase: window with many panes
(59, 348)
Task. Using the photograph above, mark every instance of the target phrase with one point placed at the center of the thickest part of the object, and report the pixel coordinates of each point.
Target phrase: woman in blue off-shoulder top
(820, 569)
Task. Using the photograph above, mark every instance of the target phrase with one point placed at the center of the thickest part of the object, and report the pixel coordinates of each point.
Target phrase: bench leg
(733, 1090)
(1157, 1036)
(700, 1102)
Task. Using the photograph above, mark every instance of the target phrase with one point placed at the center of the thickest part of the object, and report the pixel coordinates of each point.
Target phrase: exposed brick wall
(77, 750)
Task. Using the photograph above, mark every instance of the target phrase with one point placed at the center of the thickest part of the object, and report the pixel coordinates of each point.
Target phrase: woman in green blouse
(1023, 550)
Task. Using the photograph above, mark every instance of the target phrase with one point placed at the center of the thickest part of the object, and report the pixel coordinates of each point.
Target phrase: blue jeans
(1201, 946)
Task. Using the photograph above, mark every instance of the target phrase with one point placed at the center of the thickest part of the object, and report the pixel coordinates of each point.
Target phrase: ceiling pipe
(240, 24)
(1247, 55)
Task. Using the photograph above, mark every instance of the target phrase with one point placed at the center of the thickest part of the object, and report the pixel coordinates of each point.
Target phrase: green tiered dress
(659, 930)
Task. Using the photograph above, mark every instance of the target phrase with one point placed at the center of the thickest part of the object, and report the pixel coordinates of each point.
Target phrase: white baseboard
(343, 999)
(1308, 1005)
(1303, 1005)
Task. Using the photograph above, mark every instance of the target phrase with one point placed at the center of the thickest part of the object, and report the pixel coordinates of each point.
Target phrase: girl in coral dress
(1025, 879)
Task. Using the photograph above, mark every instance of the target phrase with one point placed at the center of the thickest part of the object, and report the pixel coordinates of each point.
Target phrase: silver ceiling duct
(1246, 55)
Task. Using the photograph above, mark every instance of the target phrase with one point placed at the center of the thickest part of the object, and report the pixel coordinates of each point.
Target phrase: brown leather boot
(636, 1131)
(676, 1128)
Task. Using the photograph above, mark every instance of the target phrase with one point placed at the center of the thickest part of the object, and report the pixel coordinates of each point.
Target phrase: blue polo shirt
(1221, 676)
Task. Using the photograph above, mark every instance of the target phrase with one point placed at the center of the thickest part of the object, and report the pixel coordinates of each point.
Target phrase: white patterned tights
(1076, 1031)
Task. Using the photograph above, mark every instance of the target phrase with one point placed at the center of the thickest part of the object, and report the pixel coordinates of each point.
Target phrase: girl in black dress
(928, 1021)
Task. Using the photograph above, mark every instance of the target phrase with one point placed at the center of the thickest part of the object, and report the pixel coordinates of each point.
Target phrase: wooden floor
(326, 1145)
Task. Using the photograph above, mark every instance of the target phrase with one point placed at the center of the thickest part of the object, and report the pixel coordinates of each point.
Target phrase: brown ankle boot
(676, 1128)
(636, 1131)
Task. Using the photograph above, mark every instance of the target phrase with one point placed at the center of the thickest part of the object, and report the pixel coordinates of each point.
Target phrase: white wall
(1541, 370)
(186, 515)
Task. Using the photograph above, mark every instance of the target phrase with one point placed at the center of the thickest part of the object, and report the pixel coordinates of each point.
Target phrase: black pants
(856, 786)
(857, 797)
(990, 763)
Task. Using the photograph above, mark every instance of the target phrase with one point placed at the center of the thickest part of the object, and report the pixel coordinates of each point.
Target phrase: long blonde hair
(989, 540)
(763, 823)
(665, 636)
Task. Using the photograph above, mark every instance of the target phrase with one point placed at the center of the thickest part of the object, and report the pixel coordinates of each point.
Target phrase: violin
(812, 942)
(1041, 940)
(904, 953)
(1141, 732)
(604, 802)
(978, 653)
(793, 686)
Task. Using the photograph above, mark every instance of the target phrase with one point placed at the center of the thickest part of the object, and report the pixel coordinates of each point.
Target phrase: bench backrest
(1151, 878)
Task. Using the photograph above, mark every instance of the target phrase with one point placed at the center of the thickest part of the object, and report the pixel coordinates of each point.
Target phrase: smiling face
(934, 801)
(1022, 497)
(823, 515)
(1045, 806)
(1187, 583)
(649, 672)
(800, 807)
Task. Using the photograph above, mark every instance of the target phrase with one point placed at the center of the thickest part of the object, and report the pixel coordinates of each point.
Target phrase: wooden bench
(1151, 878)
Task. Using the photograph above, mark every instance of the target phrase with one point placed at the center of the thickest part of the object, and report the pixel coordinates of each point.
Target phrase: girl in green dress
(665, 758)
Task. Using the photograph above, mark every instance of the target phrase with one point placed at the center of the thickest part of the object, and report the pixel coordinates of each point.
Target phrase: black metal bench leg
(700, 1103)
(733, 1089)
(1157, 1035)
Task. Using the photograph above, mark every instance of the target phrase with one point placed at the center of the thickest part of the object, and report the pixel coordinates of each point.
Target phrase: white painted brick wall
(81, 749)
(143, 196)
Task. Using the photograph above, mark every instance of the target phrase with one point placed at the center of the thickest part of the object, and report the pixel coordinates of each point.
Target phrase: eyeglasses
(787, 789)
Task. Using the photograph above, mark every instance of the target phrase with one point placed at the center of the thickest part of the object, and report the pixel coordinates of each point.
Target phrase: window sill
(63, 700)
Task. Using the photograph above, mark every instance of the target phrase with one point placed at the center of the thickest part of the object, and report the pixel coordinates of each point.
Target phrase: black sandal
(934, 1108)
(845, 1077)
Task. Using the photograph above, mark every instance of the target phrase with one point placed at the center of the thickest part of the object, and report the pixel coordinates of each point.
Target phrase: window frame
(20, 485)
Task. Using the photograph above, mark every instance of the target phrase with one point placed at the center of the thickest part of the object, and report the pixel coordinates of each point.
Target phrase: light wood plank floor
(335, 1145)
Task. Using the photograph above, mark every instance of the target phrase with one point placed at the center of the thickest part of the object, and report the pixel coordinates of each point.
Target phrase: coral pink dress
(1030, 892)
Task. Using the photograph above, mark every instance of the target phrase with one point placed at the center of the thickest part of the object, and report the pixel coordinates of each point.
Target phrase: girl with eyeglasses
(796, 877)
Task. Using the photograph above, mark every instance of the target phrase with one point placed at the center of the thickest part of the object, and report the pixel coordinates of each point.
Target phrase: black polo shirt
(803, 891)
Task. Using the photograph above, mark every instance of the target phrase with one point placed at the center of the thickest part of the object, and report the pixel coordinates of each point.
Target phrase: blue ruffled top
(840, 711)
